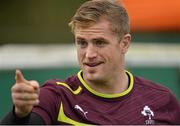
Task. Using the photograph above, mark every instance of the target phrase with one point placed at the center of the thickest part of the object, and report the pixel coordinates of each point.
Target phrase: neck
(115, 85)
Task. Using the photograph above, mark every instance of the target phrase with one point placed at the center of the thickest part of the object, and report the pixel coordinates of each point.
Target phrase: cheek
(114, 56)
(112, 52)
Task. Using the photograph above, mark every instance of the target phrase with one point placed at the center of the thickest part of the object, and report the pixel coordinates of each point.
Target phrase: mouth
(93, 64)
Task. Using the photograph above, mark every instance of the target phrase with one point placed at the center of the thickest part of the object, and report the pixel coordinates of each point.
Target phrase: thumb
(19, 77)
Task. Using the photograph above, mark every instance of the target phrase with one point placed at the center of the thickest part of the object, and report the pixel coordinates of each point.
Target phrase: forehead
(100, 29)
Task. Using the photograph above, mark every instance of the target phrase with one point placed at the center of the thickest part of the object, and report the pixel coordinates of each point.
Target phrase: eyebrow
(100, 38)
(95, 39)
(80, 38)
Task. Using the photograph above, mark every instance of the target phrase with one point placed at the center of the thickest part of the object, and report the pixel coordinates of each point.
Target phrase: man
(103, 92)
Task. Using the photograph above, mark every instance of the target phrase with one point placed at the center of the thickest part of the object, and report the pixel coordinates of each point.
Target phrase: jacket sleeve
(12, 119)
(174, 109)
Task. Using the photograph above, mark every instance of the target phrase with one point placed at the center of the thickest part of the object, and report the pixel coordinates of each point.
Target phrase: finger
(22, 88)
(25, 96)
(22, 103)
(19, 77)
(35, 85)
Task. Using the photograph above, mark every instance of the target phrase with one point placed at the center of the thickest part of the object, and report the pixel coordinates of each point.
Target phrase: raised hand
(25, 94)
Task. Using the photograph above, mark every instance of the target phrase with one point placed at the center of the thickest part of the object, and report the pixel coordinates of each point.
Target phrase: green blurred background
(46, 22)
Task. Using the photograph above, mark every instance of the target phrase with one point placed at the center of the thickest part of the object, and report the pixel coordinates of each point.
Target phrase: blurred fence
(157, 62)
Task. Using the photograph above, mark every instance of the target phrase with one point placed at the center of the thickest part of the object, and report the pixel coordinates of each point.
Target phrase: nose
(91, 52)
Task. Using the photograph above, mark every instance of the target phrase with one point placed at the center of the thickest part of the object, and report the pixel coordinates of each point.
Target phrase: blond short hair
(92, 11)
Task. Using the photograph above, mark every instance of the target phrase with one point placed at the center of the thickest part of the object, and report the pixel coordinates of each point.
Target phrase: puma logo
(80, 109)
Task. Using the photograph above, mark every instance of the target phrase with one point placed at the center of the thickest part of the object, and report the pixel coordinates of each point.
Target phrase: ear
(125, 43)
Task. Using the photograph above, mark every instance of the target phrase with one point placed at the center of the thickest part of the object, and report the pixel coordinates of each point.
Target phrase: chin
(93, 73)
(93, 77)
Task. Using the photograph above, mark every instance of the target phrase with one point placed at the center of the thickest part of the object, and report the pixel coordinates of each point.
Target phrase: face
(100, 52)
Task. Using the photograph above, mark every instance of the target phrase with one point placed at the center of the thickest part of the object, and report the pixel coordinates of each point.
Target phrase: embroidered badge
(149, 113)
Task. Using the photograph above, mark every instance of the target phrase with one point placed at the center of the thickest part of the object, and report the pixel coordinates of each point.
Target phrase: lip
(93, 64)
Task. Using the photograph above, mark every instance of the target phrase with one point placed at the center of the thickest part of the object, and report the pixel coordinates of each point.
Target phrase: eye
(82, 43)
(100, 43)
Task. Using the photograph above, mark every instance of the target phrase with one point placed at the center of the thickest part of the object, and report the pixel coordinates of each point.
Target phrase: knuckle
(13, 96)
(36, 102)
(13, 88)
(34, 83)
(34, 96)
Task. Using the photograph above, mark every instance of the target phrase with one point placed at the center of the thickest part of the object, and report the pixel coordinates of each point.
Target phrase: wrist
(20, 114)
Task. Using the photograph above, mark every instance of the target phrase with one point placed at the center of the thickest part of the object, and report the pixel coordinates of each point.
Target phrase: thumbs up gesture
(24, 94)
